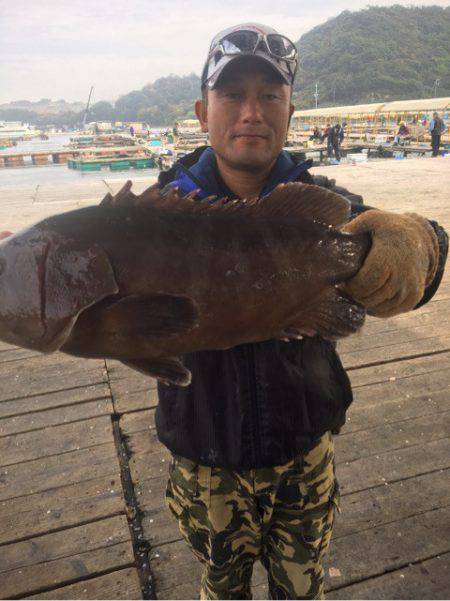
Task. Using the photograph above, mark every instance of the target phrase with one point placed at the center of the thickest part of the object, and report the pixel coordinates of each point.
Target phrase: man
(334, 141)
(402, 134)
(252, 474)
(437, 128)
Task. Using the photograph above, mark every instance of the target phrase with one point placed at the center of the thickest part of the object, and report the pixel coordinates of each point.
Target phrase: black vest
(254, 405)
(260, 405)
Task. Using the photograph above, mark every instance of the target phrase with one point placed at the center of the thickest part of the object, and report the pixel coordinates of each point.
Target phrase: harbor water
(39, 175)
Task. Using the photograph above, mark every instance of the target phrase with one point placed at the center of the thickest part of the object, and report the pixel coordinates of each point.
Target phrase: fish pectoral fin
(334, 316)
(167, 370)
(152, 315)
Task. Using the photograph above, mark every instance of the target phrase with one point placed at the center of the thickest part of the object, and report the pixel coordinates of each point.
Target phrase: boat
(17, 130)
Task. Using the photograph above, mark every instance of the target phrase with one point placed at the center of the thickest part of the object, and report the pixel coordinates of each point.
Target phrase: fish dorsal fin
(294, 199)
(307, 201)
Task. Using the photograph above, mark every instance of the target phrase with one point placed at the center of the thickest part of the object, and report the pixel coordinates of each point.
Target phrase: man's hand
(401, 262)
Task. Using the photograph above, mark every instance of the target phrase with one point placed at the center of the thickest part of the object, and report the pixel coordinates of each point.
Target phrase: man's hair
(205, 95)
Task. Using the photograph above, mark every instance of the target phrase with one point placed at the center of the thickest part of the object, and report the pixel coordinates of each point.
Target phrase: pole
(87, 107)
(316, 95)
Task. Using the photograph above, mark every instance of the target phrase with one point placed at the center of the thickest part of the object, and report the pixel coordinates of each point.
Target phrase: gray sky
(58, 48)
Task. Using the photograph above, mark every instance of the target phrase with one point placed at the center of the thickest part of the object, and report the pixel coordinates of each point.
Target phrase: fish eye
(2, 265)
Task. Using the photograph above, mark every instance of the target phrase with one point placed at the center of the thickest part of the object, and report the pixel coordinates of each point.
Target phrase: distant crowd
(334, 134)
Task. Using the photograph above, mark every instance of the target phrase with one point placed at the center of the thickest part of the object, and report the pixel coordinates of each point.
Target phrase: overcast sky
(58, 48)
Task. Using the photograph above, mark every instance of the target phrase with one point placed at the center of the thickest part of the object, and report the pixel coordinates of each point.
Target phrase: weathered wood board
(120, 584)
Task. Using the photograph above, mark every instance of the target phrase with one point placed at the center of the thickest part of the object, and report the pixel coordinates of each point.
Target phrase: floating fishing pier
(45, 157)
(82, 474)
(114, 164)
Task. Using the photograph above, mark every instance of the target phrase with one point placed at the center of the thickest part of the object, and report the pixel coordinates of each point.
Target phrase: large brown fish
(145, 279)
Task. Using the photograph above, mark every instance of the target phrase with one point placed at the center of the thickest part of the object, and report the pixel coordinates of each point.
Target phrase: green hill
(380, 53)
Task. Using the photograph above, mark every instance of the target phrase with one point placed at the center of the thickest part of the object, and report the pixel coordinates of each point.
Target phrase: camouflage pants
(281, 515)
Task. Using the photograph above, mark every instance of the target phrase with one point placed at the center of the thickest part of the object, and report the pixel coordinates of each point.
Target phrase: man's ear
(201, 110)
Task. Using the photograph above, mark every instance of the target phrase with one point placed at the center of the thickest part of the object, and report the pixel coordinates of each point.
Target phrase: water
(35, 175)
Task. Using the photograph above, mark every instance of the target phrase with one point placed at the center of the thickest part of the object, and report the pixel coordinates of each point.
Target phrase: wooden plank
(387, 437)
(53, 417)
(158, 524)
(391, 338)
(394, 352)
(372, 552)
(121, 584)
(118, 370)
(374, 507)
(62, 507)
(64, 543)
(400, 387)
(147, 466)
(181, 583)
(386, 333)
(57, 398)
(48, 373)
(399, 369)
(58, 470)
(137, 421)
(143, 442)
(424, 580)
(33, 578)
(393, 465)
(427, 314)
(131, 394)
(16, 353)
(57, 439)
(365, 415)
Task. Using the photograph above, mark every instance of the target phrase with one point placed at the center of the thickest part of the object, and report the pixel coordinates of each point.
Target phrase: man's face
(247, 116)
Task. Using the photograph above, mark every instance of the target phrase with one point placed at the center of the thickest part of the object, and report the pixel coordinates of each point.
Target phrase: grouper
(146, 279)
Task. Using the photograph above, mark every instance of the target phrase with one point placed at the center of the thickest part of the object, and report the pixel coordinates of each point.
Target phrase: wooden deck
(82, 474)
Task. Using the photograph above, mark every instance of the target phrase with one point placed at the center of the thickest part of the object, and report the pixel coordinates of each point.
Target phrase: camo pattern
(281, 515)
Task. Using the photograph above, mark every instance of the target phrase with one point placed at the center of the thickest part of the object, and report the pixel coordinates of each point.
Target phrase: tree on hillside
(381, 53)
(101, 111)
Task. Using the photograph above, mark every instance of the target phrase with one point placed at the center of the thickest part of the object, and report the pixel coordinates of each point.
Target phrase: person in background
(316, 136)
(326, 132)
(334, 141)
(131, 131)
(437, 128)
(402, 134)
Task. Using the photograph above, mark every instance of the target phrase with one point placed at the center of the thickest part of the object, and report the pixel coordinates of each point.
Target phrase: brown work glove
(401, 262)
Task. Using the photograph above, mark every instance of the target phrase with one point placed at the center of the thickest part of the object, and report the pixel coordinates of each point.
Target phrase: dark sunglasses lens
(240, 41)
(281, 46)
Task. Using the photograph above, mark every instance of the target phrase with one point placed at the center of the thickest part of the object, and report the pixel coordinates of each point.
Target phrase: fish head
(22, 259)
(46, 281)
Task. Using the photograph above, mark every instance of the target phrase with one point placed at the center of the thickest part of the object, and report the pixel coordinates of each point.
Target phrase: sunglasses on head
(249, 42)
